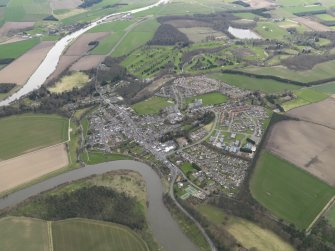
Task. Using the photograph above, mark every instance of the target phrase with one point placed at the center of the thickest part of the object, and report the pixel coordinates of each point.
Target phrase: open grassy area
(138, 36)
(27, 10)
(305, 97)
(15, 50)
(82, 235)
(331, 216)
(325, 17)
(270, 30)
(245, 82)
(24, 133)
(247, 233)
(69, 82)
(213, 98)
(152, 105)
(327, 88)
(287, 191)
(17, 234)
(320, 71)
(95, 157)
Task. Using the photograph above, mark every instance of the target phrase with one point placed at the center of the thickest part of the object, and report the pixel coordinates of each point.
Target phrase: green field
(304, 97)
(23, 133)
(27, 10)
(213, 98)
(137, 37)
(245, 82)
(326, 88)
(330, 216)
(245, 232)
(88, 235)
(28, 234)
(15, 50)
(320, 71)
(152, 105)
(18, 234)
(95, 157)
(325, 17)
(287, 191)
(270, 30)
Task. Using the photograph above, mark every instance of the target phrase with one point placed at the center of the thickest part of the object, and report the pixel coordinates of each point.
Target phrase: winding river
(165, 230)
(49, 64)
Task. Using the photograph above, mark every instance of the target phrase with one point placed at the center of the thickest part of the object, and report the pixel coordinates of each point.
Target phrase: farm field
(69, 82)
(152, 105)
(30, 166)
(34, 56)
(247, 233)
(320, 71)
(304, 97)
(35, 131)
(326, 88)
(317, 112)
(245, 82)
(136, 37)
(214, 98)
(330, 216)
(306, 145)
(325, 17)
(17, 49)
(289, 192)
(87, 235)
(19, 233)
(27, 10)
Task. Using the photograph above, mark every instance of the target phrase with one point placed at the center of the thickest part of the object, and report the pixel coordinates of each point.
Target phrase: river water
(165, 230)
(243, 33)
(49, 64)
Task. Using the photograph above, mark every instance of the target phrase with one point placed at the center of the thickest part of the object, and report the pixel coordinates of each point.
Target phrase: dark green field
(264, 85)
(24, 133)
(88, 235)
(15, 50)
(287, 191)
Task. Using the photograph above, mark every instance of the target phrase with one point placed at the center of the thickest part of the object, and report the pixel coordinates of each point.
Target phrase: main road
(49, 64)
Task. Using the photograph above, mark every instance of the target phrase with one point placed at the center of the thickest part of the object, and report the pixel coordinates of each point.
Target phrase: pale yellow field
(67, 83)
(25, 168)
(246, 233)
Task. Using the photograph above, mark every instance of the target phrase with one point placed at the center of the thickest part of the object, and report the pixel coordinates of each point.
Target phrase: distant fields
(15, 50)
(287, 191)
(245, 82)
(245, 232)
(320, 71)
(88, 235)
(213, 98)
(27, 10)
(152, 105)
(19, 233)
(327, 88)
(95, 157)
(23, 133)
